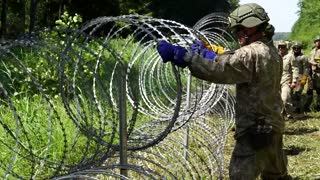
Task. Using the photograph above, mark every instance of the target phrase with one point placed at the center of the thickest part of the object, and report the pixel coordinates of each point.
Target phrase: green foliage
(233, 4)
(184, 11)
(46, 134)
(188, 12)
(68, 22)
(308, 24)
(135, 7)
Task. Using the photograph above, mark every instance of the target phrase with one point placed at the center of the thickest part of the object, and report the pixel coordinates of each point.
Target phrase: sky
(282, 13)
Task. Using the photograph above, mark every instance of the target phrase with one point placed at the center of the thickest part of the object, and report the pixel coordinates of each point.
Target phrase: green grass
(301, 140)
(302, 145)
(51, 136)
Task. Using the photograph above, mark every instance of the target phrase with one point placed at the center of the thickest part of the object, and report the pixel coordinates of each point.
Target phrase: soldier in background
(314, 80)
(289, 78)
(303, 69)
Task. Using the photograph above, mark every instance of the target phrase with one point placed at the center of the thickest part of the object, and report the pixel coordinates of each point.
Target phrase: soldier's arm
(305, 64)
(312, 56)
(227, 68)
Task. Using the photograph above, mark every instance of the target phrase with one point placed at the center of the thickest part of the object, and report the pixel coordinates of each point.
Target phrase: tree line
(25, 16)
(307, 27)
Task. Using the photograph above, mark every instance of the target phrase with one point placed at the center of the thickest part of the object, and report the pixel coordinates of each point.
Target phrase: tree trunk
(3, 29)
(22, 16)
(33, 10)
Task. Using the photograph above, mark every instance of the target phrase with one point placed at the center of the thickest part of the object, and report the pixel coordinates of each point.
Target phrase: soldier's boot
(308, 102)
(296, 102)
(285, 177)
(317, 106)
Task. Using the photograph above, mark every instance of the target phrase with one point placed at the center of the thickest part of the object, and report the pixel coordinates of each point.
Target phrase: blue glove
(199, 47)
(169, 52)
(207, 54)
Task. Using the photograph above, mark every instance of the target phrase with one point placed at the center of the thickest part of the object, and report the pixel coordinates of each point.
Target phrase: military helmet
(317, 38)
(269, 31)
(282, 43)
(297, 44)
(248, 15)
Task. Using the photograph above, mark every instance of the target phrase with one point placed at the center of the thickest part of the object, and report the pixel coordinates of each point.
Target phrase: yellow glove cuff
(215, 48)
(303, 79)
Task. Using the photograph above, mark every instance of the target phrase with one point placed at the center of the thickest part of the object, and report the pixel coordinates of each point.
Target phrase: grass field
(302, 145)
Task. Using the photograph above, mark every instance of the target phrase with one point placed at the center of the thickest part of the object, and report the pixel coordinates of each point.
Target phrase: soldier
(314, 81)
(289, 78)
(303, 69)
(256, 70)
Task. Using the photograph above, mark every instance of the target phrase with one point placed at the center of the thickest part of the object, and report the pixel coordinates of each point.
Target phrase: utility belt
(261, 134)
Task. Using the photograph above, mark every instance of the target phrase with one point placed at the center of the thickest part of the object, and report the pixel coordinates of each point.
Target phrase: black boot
(308, 102)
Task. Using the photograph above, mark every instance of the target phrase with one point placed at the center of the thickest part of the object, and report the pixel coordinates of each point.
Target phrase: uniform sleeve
(227, 68)
(305, 65)
(295, 69)
(312, 54)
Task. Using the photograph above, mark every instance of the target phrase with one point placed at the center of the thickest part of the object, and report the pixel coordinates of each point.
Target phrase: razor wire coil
(161, 105)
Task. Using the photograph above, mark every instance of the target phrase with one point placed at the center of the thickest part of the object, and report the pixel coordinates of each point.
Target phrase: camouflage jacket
(314, 56)
(256, 70)
(302, 63)
(290, 69)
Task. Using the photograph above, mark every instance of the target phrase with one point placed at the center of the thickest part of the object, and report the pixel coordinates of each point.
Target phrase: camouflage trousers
(286, 93)
(313, 85)
(247, 163)
(297, 98)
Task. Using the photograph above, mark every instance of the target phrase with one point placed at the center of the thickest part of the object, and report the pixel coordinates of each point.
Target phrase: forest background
(19, 17)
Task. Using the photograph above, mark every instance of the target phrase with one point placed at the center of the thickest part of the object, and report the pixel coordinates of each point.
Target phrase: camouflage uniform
(303, 68)
(290, 75)
(257, 93)
(314, 80)
(256, 70)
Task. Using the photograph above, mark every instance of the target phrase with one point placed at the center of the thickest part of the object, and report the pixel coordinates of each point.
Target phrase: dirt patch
(315, 134)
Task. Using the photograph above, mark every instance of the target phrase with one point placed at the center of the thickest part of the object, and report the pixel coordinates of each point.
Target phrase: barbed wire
(177, 125)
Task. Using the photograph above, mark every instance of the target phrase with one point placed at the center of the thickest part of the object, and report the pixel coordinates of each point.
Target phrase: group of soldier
(299, 73)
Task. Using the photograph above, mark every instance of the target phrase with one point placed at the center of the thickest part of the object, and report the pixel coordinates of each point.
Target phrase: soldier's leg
(309, 95)
(296, 102)
(243, 161)
(286, 99)
(316, 87)
(317, 106)
(275, 160)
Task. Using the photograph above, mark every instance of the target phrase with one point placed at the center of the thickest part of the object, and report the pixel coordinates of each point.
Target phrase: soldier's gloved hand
(208, 54)
(197, 46)
(200, 48)
(169, 52)
(303, 79)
